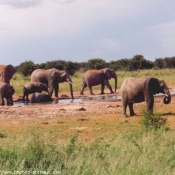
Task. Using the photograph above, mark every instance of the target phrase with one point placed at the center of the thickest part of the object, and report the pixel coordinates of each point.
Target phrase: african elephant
(95, 77)
(6, 91)
(40, 97)
(52, 78)
(32, 87)
(6, 73)
(135, 90)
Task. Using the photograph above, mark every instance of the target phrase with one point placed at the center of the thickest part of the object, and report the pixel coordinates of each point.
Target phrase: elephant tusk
(69, 82)
(166, 95)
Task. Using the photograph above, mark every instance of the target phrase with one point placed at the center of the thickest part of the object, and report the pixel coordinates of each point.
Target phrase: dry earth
(90, 117)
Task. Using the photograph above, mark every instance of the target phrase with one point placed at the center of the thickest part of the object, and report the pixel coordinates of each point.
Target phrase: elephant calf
(6, 91)
(136, 90)
(40, 97)
(32, 87)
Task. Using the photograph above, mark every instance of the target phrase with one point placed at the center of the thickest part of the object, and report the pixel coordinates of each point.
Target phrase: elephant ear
(55, 77)
(107, 73)
(10, 71)
(6, 73)
(153, 85)
(63, 76)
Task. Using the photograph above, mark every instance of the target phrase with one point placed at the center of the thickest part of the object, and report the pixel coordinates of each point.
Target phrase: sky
(79, 30)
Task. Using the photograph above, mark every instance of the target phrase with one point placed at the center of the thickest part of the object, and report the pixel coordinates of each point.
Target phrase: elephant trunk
(70, 85)
(167, 98)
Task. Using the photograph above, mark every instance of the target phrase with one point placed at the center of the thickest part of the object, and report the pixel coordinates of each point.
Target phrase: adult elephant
(52, 78)
(6, 73)
(95, 77)
(135, 90)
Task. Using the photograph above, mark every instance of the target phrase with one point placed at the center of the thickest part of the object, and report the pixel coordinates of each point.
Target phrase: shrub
(154, 121)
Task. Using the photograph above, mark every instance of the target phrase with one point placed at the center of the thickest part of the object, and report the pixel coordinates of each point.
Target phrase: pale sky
(79, 30)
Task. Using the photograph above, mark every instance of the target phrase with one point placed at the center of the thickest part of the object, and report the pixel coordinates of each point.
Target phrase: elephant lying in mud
(96, 77)
(40, 97)
(32, 87)
(135, 90)
(6, 91)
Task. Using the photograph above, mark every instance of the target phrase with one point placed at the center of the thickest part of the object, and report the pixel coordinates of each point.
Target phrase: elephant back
(39, 75)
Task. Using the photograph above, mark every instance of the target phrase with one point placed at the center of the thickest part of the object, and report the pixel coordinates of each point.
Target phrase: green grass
(141, 150)
(133, 152)
(167, 75)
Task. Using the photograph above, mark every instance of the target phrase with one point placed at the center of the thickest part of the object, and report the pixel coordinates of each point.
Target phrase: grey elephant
(40, 97)
(135, 90)
(96, 77)
(6, 92)
(6, 73)
(32, 87)
(52, 78)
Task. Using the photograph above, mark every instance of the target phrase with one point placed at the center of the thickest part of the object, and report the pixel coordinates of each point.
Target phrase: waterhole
(111, 97)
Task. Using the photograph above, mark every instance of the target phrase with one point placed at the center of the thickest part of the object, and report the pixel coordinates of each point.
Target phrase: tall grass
(136, 152)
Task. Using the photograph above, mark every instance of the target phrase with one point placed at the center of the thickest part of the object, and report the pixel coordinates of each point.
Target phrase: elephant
(95, 77)
(6, 91)
(6, 73)
(40, 97)
(32, 87)
(52, 78)
(136, 90)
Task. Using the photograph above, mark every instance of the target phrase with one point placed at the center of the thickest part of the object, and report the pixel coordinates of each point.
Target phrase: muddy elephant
(6, 73)
(40, 97)
(96, 77)
(6, 92)
(32, 87)
(52, 78)
(135, 90)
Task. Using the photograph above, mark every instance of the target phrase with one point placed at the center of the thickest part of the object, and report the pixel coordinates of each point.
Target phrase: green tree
(26, 68)
(97, 63)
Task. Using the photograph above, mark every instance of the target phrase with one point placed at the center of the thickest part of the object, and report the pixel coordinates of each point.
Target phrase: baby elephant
(32, 87)
(6, 91)
(40, 97)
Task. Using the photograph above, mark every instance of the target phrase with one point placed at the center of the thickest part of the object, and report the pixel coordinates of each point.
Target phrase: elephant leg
(27, 97)
(109, 86)
(131, 109)
(124, 102)
(1, 101)
(102, 88)
(150, 103)
(90, 90)
(84, 85)
(56, 86)
(23, 98)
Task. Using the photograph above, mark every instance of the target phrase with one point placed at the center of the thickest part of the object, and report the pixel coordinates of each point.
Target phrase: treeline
(138, 62)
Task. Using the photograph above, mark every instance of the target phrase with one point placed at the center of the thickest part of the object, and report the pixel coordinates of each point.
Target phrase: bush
(154, 121)
(26, 68)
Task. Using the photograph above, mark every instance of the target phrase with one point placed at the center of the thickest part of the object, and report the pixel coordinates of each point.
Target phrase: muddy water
(111, 97)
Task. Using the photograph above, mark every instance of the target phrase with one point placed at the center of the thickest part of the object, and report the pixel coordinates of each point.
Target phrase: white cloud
(107, 46)
(21, 3)
(165, 33)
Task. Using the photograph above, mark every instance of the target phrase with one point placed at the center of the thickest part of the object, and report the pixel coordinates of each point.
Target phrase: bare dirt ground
(89, 117)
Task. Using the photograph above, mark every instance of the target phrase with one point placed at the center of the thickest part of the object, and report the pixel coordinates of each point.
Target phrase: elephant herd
(133, 90)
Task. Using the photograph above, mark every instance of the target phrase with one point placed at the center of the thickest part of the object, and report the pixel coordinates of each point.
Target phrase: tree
(26, 68)
(97, 63)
